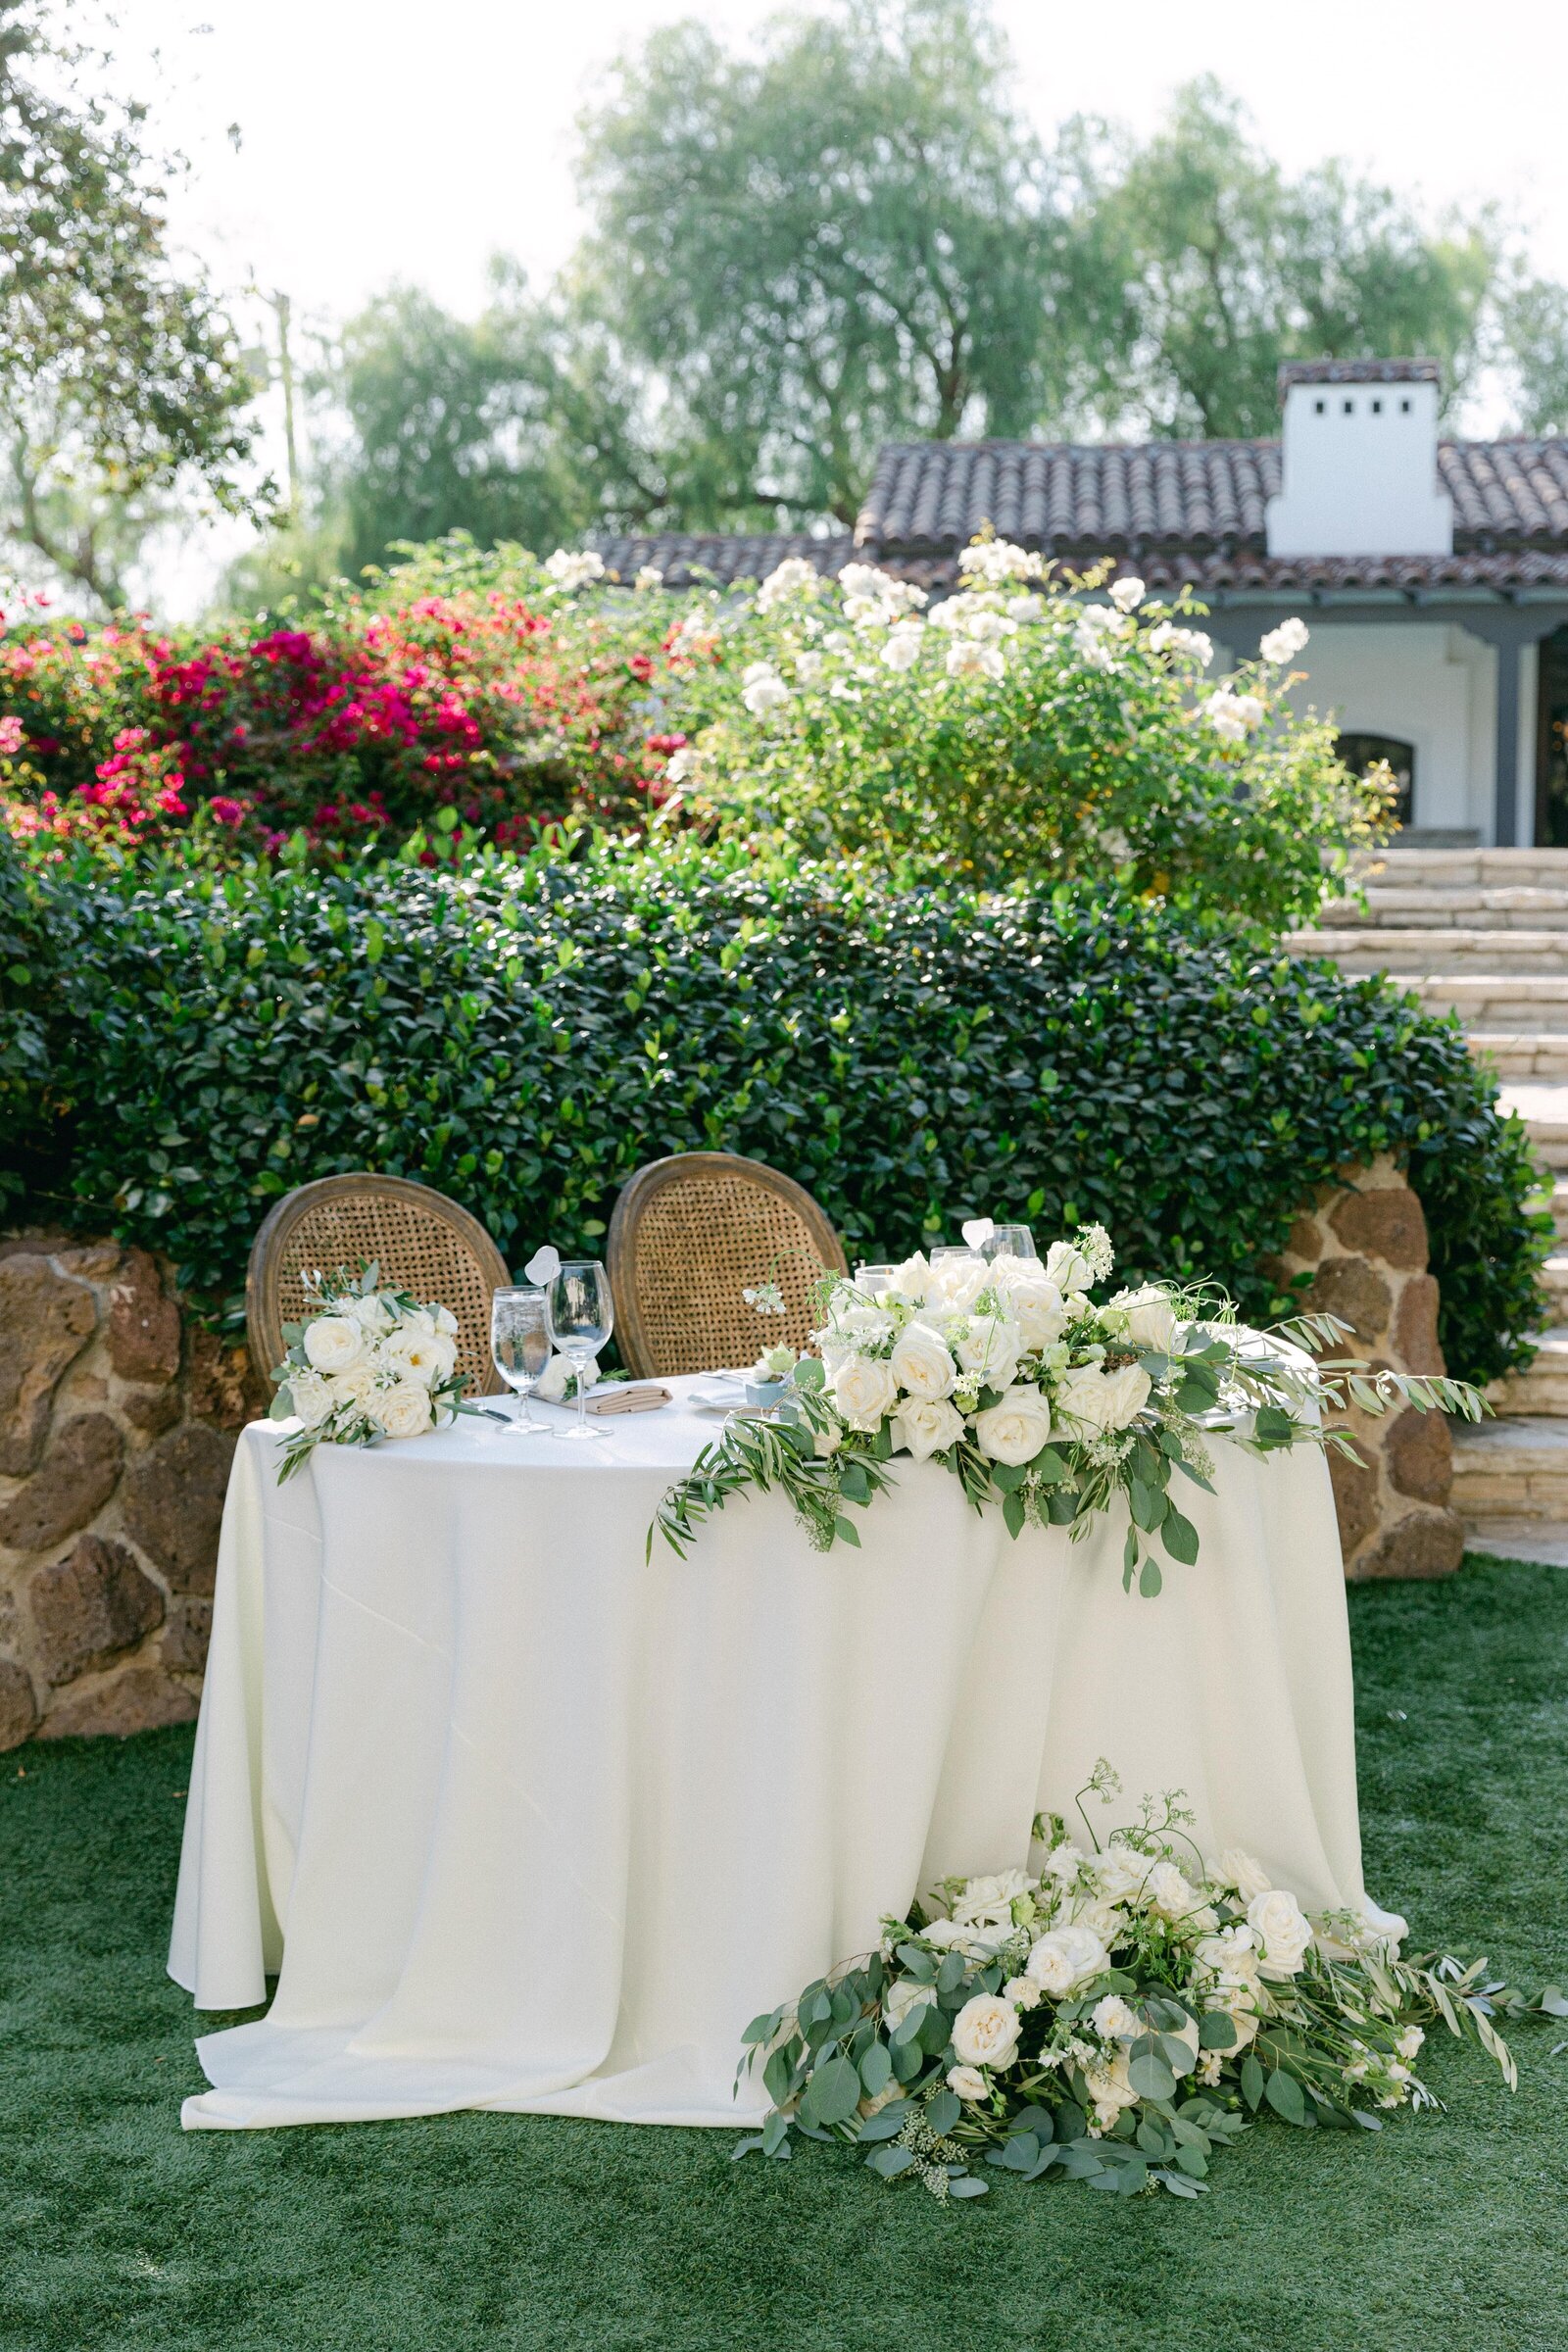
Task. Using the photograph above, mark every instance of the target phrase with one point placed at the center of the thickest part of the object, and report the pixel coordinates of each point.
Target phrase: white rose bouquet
(370, 1363)
(1116, 2014)
(1041, 1399)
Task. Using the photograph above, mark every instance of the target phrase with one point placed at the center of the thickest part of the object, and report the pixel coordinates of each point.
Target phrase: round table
(523, 1819)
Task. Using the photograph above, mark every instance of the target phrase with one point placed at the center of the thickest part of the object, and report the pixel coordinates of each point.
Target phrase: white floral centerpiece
(1115, 2014)
(1038, 1397)
(370, 1362)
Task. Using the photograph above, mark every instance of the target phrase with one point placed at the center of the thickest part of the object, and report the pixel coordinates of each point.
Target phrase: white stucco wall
(1433, 686)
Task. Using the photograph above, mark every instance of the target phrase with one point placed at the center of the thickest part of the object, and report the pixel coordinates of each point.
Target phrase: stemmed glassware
(1009, 1241)
(519, 1342)
(581, 1314)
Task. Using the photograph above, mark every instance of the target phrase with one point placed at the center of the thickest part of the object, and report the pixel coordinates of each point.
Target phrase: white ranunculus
(1113, 2020)
(985, 2032)
(310, 1397)
(1283, 643)
(1038, 1309)
(969, 2083)
(1236, 1868)
(865, 1389)
(428, 1356)
(1015, 1427)
(1283, 1931)
(552, 1381)
(1150, 1317)
(371, 1314)
(1126, 595)
(335, 1343)
(1068, 1267)
(1022, 1991)
(901, 1997)
(987, 1901)
(403, 1410)
(1064, 1958)
(958, 1281)
(926, 1425)
(990, 1349)
(1093, 1400)
(922, 1363)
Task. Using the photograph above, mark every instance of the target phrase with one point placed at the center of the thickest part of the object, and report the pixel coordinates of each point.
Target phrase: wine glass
(581, 1313)
(519, 1342)
(1009, 1241)
(872, 1281)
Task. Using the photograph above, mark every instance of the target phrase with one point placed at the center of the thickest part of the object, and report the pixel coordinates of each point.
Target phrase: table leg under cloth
(527, 1822)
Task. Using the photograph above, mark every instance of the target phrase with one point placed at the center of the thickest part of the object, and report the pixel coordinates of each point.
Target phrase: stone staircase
(1484, 933)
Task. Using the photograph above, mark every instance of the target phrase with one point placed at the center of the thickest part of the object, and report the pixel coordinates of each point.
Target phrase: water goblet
(581, 1314)
(872, 1281)
(519, 1342)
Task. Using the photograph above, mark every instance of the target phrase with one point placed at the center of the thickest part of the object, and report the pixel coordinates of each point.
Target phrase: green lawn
(479, 2232)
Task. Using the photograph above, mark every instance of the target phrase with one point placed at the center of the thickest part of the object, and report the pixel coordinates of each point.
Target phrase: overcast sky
(398, 138)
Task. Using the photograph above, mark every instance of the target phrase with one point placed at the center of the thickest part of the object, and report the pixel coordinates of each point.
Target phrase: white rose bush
(1035, 724)
(1044, 1401)
(1115, 2015)
(371, 1363)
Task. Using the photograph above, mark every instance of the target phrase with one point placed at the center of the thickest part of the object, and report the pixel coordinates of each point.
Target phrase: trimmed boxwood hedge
(524, 1033)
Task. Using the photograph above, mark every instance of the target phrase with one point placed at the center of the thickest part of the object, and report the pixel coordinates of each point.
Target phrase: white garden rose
(1100, 1918)
(1065, 1862)
(1283, 1931)
(1113, 2021)
(1231, 1953)
(1150, 1317)
(354, 1387)
(553, 1381)
(1022, 1991)
(903, 1997)
(335, 1343)
(1064, 1958)
(371, 1314)
(1015, 1427)
(1283, 643)
(923, 1364)
(985, 2032)
(903, 647)
(969, 2083)
(403, 1410)
(853, 1318)
(1038, 1309)
(1110, 2088)
(913, 1278)
(990, 1350)
(1068, 1267)
(986, 1902)
(924, 1426)
(1168, 1894)
(1120, 1871)
(310, 1397)
(958, 1281)
(865, 1389)
(1238, 1997)
(1093, 1400)
(413, 1353)
(1236, 1868)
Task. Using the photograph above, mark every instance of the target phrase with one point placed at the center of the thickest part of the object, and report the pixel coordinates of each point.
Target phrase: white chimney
(1359, 461)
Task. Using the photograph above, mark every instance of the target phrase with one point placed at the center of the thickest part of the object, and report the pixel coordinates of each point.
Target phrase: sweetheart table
(523, 1820)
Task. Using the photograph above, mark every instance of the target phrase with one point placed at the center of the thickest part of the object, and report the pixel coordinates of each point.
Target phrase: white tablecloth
(527, 1821)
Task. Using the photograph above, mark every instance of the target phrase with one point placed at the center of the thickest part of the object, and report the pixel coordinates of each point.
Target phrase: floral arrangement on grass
(372, 1362)
(1008, 1373)
(1116, 2017)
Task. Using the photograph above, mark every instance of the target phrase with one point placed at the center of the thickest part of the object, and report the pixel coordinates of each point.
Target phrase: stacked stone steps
(1484, 933)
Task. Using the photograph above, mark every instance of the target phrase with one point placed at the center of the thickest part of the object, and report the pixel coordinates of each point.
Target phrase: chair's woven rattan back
(691, 1233)
(421, 1240)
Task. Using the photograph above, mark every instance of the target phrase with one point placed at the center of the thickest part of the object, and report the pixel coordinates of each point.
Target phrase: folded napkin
(644, 1400)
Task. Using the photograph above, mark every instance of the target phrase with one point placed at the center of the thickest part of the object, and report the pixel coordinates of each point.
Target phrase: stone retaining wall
(117, 1417)
(119, 1414)
(1364, 1244)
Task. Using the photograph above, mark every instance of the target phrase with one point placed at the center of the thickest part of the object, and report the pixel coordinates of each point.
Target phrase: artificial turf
(489, 2232)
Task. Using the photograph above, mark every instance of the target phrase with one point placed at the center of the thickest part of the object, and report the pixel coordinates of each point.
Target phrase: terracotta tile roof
(1359, 371)
(684, 556)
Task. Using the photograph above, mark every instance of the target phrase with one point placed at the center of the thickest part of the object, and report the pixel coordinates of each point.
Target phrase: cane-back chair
(421, 1240)
(688, 1236)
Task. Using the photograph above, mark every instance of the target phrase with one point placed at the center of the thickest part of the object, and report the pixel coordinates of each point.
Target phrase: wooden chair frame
(637, 1345)
(265, 1314)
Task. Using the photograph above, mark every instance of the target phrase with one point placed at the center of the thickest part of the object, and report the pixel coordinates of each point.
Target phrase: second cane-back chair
(688, 1236)
(421, 1240)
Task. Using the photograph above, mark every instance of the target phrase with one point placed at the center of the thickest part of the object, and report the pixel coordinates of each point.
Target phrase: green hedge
(523, 1033)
